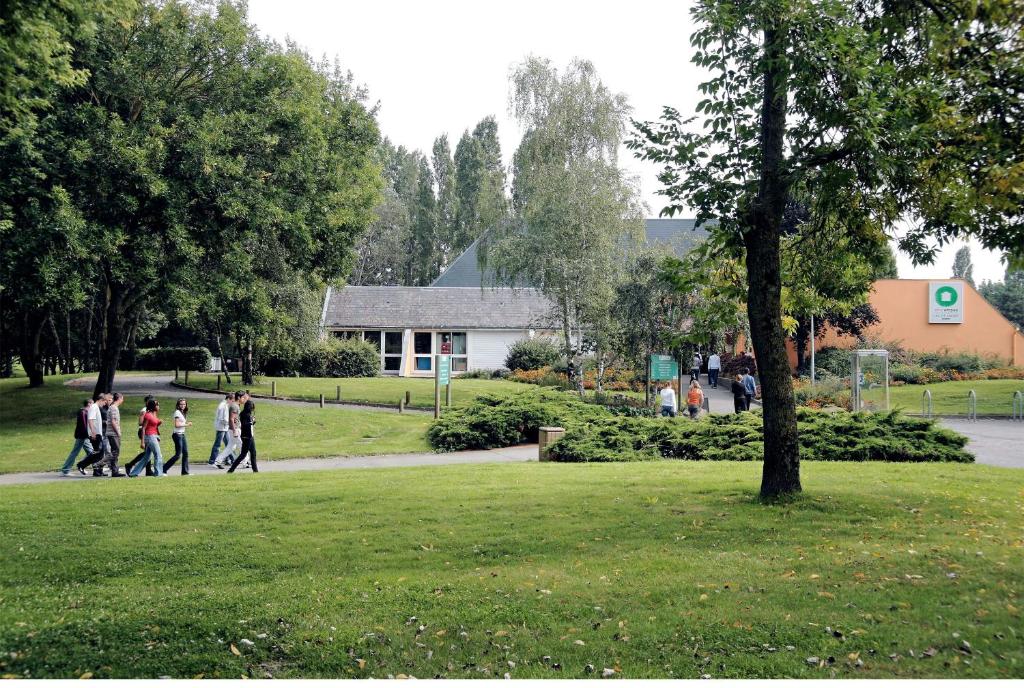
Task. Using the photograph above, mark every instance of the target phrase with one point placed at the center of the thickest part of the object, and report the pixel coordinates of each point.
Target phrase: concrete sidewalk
(520, 454)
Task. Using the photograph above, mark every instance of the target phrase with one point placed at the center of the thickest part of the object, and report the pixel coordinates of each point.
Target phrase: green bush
(958, 361)
(532, 354)
(170, 357)
(833, 360)
(340, 358)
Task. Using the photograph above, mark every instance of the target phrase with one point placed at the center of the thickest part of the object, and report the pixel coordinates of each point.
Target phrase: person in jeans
(739, 394)
(749, 386)
(131, 464)
(178, 435)
(695, 367)
(113, 434)
(234, 432)
(81, 437)
(150, 441)
(247, 419)
(96, 431)
(668, 401)
(221, 427)
(694, 399)
(714, 367)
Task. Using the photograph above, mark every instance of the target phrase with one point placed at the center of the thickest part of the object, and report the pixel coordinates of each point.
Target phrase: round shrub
(532, 354)
(340, 358)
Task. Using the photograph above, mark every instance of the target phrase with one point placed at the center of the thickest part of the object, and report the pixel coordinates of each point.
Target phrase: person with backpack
(178, 435)
(221, 427)
(247, 419)
(81, 437)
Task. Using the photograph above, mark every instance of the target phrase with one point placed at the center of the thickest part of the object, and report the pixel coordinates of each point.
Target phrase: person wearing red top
(150, 440)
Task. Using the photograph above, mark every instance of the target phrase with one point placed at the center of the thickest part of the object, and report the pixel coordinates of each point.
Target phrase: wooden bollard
(321, 400)
(401, 405)
(186, 377)
(175, 374)
(408, 397)
(273, 388)
(545, 437)
(339, 392)
(218, 381)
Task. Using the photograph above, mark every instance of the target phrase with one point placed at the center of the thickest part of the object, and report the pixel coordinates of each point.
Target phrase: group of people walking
(98, 432)
(743, 388)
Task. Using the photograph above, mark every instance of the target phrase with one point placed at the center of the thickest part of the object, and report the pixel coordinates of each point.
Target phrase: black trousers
(97, 454)
(180, 451)
(114, 444)
(248, 449)
(748, 399)
(739, 404)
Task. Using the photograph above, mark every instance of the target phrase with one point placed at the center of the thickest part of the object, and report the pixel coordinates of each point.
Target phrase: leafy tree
(479, 184)
(423, 252)
(574, 209)
(963, 268)
(877, 111)
(1007, 296)
(447, 204)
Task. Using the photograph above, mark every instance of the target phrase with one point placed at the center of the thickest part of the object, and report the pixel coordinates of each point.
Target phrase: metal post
(273, 388)
(338, 390)
(1018, 405)
(812, 349)
(926, 403)
(321, 400)
(972, 406)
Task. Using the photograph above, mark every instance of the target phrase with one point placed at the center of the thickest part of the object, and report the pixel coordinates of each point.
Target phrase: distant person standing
(714, 367)
(113, 434)
(234, 432)
(181, 422)
(221, 427)
(749, 386)
(151, 441)
(739, 394)
(247, 419)
(81, 437)
(694, 399)
(668, 401)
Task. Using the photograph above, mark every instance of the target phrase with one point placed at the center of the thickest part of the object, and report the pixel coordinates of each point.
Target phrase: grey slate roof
(436, 308)
(679, 234)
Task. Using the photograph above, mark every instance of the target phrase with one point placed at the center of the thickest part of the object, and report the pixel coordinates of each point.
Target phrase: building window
(346, 334)
(392, 352)
(421, 348)
(458, 349)
(373, 337)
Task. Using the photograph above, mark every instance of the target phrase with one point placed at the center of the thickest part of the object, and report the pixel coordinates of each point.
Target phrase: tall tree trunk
(781, 472)
(67, 329)
(220, 352)
(111, 337)
(31, 355)
(247, 372)
(62, 361)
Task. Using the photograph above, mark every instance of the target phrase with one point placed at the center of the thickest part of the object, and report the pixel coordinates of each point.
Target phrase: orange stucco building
(907, 311)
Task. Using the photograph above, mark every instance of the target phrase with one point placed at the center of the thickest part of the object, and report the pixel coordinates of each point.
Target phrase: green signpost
(664, 367)
(442, 376)
(444, 369)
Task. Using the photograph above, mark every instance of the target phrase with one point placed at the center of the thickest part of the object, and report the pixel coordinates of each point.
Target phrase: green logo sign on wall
(664, 367)
(946, 302)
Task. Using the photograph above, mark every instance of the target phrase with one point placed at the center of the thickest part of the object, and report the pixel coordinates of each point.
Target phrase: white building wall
(488, 348)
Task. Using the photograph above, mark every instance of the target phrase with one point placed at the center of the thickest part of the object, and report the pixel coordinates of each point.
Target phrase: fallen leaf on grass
(361, 663)
(86, 675)
(234, 650)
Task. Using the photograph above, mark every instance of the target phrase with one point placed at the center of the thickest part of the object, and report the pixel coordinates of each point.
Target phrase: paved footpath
(520, 454)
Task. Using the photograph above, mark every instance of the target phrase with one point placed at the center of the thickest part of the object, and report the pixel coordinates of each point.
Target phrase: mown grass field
(37, 428)
(375, 390)
(666, 569)
(950, 398)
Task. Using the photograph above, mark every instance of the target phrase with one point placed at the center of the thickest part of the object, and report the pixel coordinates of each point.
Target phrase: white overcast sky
(439, 67)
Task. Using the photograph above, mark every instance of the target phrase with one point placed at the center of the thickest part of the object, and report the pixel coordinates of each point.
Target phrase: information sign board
(664, 367)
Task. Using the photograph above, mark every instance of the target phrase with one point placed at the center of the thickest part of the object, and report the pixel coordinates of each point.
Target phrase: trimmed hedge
(196, 358)
(532, 354)
(340, 358)
(597, 434)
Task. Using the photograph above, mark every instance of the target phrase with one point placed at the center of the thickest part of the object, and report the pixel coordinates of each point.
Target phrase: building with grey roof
(462, 314)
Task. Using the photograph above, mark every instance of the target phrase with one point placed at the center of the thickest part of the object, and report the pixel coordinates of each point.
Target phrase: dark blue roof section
(679, 234)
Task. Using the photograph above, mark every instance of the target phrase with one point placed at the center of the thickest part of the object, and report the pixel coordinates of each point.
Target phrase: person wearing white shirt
(668, 401)
(178, 435)
(714, 366)
(221, 428)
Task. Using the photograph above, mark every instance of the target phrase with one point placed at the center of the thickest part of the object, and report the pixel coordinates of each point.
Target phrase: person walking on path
(714, 367)
(131, 464)
(739, 394)
(668, 401)
(749, 386)
(96, 431)
(247, 419)
(221, 427)
(694, 399)
(113, 435)
(695, 367)
(150, 441)
(234, 433)
(81, 437)
(178, 435)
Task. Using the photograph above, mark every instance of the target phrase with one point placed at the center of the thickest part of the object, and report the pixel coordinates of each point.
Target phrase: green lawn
(950, 398)
(37, 428)
(375, 390)
(662, 569)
